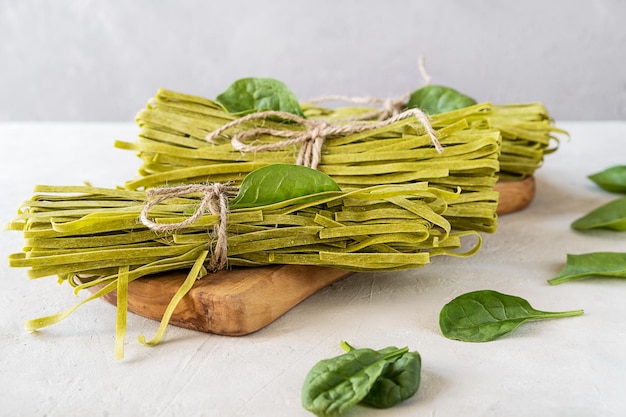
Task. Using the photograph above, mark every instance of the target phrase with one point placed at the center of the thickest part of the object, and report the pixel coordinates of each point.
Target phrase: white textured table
(570, 367)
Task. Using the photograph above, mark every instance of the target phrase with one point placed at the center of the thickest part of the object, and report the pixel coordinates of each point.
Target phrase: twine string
(314, 134)
(421, 65)
(214, 199)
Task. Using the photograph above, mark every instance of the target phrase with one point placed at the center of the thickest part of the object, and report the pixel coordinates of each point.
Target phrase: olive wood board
(240, 301)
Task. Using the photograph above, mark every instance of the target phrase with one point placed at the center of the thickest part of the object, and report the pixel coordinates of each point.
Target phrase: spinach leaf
(399, 381)
(334, 385)
(485, 315)
(605, 264)
(281, 182)
(435, 99)
(249, 95)
(612, 179)
(608, 216)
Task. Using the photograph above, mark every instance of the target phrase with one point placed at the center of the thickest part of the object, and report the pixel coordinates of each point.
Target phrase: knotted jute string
(312, 138)
(215, 199)
(421, 66)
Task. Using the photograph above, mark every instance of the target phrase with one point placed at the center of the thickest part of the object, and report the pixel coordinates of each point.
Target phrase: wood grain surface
(515, 195)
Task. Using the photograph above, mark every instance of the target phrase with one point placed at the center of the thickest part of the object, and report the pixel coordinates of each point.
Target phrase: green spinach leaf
(605, 264)
(435, 99)
(485, 315)
(608, 216)
(399, 381)
(612, 179)
(334, 385)
(249, 95)
(281, 182)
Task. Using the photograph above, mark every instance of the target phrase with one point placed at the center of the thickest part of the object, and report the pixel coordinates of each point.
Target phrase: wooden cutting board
(241, 301)
(515, 195)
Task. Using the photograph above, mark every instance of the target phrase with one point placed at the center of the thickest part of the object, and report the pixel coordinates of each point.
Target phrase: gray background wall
(101, 60)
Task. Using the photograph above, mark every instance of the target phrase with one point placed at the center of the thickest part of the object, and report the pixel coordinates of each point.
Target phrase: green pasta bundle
(173, 146)
(528, 134)
(105, 238)
(89, 231)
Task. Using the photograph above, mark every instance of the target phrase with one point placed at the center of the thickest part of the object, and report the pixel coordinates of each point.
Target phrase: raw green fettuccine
(91, 236)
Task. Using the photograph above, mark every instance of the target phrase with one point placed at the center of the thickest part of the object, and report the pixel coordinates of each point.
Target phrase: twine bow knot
(314, 134)
(214, 199)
